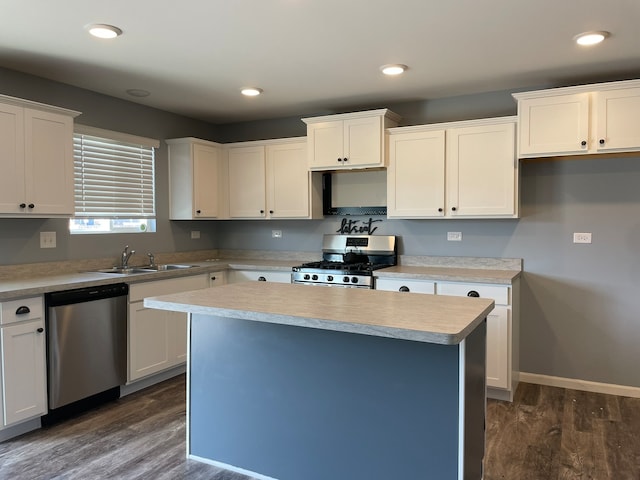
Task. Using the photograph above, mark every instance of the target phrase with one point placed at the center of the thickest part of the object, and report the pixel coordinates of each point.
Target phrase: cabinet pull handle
(583, 143)
(40, 330)
(22, 310)
(473, 293)
(23, 205)
(404, 289)
(262, 279)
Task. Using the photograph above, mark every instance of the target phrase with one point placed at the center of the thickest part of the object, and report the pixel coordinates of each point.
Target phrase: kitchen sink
(144, 269)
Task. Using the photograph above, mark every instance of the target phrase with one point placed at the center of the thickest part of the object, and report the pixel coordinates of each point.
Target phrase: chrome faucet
(126, 255)
(152, 259)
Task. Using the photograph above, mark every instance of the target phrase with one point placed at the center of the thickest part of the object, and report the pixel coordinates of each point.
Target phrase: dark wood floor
(545, 434)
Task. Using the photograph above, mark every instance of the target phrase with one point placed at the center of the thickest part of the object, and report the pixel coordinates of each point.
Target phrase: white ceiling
(315, 55)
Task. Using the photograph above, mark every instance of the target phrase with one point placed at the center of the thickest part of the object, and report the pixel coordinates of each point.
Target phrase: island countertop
(424, 318)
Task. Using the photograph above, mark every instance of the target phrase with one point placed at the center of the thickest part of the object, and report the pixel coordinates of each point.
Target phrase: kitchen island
(299, 382)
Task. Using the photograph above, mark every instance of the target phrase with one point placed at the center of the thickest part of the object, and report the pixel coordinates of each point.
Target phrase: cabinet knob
(23, 205)
(345, 159)
(261, 211)
(262, 279)
(454, 209)
(440, 209)
(270, 211)
(213, 279)
(23, 310)
(404, 289)
(31, 205)
(40, 330)
(602, 141)
(583, 143)
(473, 293)
(198, 212)
(340, 160)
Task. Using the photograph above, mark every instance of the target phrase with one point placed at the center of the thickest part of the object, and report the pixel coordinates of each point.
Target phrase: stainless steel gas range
(348, 261)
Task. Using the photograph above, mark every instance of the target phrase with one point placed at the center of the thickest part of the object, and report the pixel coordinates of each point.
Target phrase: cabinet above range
(349, 140)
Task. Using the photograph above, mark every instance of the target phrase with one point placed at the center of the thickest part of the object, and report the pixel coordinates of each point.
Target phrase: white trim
(383, 112)
(231, 468)
(462, 374)
(119, 136)
(21, 102)
(592, 87)
(577, 384)
(448, 125)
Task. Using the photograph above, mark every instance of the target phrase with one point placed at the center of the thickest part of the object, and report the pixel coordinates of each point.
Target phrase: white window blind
(114, 177)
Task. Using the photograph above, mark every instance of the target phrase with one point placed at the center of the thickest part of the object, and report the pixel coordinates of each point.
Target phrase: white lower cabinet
(23, 373)
(158, 338)
(502, 325)
(235, 276)
(217, 278)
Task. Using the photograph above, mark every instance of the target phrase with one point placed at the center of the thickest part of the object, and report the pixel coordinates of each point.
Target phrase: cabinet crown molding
(384, 112)
(20, 102)
(447, 125)
(593, 87)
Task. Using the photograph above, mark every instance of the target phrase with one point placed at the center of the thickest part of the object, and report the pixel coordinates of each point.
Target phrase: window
(114, 183)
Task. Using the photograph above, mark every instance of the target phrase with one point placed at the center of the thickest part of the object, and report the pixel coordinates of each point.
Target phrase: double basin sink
(144, 269)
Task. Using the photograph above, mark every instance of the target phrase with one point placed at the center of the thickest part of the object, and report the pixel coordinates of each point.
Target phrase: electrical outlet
(582, 238)
(454, 236)
(276, 233)
(195, 234)
(47, 239)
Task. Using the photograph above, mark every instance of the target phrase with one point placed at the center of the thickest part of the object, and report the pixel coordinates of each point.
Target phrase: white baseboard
(585, 385)
(20, 429)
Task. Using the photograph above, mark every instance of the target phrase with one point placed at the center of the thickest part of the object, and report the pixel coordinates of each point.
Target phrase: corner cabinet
(36, 147)
(588, 119)
(453, 170)
(23, 379)
(196, 187)
(158, 338)
(270, 179)
(348, 141)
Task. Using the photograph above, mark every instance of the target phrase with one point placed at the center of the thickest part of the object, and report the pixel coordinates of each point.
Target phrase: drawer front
(257, 275)
(499, 293)
(33, 307)
(413, 286)
(140, 291)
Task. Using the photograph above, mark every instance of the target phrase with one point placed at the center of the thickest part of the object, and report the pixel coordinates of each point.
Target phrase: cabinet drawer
(9, 310)
(499, 293)
(401, 285)
(139, 291)
(260, 276)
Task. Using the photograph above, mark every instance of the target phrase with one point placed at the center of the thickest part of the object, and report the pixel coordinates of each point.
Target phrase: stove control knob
(330, 278)
(354, 279)
(345, 279)
(315, 277)
(307, 276)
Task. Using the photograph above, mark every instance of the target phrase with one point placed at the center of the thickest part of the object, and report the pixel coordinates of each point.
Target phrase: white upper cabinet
(588, 119)
(36, 148)
(348, 141)
(459, 169)
(271, 179)
(195, 172)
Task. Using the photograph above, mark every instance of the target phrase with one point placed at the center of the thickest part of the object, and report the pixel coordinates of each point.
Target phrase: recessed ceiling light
(393, 69)
(103, 31)
(251, 91)
(590, 38)
(138, 92)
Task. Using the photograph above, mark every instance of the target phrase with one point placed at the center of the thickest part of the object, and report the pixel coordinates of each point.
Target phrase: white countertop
(451, 274)
(423, 318)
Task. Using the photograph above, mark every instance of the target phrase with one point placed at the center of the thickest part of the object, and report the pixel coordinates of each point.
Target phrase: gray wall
(579, 313)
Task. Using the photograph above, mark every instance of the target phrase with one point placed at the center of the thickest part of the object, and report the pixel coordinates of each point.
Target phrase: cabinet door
(481, 171)
(12, 180)
(404, 285)
(325, 144)
(617, 115)
(415, 176)
(554, 125)
(206, 167)
(23, 371)
(149, 333)
(363, 139)
(217, 278)
(49, 163)
(498, 335)
(247, 189)
(288, 180)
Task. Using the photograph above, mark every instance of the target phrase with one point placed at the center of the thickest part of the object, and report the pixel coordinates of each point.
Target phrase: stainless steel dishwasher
(86, 347)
